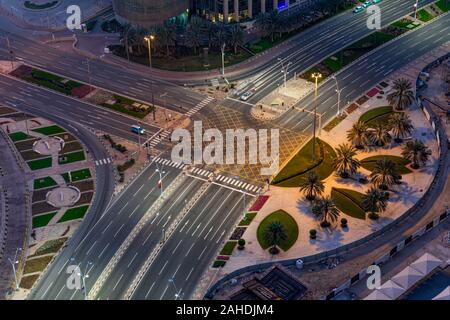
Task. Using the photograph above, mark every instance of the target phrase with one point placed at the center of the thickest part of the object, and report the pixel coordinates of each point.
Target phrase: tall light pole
(84, 275)
(13, 263)
(161, 172)
(149, 40)
(316, 76)
(338, 91)
(178, 293)
(284, 70)
(415, 9)
(223, 59)
(88, 64)
(11, 52)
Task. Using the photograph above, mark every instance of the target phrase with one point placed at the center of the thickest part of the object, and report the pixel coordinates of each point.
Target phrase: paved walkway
(14, 183)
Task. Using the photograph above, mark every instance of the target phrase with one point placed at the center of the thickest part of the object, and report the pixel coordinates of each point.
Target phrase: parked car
(367, 4)
(246, 96)
(358, 9)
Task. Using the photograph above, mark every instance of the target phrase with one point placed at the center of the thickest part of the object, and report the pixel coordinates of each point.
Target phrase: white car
(246, 96)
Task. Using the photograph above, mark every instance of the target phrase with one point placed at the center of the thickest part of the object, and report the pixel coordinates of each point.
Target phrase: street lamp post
(11, 52)
(149, 40)
(415, 9)
(178, 293)
(13, 265)
(161, 172)
(284, 70)
(316, 77)
(223, 59)
(84, 275)
(338, 91)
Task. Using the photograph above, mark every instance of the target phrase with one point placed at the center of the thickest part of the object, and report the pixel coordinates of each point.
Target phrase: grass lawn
(248, 219)
(71, 157)
(377, 115)
(289, 225)
(423, 15)
(74, 213)
(50, 246)
(27, 281)
(302, 163)
(45, 182)
(349, 202)
(79, 175)
(40, 164)
(19, 136)
(218, 263)
(123, 104)
(38, 264)
(403, 24)
(52, 81)
(50, 130)
(228, 248)
(444, 5)
(369, 163)
(42, 220)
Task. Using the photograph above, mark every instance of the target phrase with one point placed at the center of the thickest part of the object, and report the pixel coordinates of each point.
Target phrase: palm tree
(345, 162)
(192, 37)
(166, 36)
(384, 174)
(325, 209)
(274, 234)
(235, 36)
(359, 135)
(402, 95)
(312, 186)
(401, 125)
(416, 152)
(374, 201)
(124, 35)
(380, 135)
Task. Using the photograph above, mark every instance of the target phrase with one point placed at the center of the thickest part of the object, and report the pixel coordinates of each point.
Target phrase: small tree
(374, 201)
(416, 152)
(384, 174)
(345, 162)
(401, 125)
(274, 234)
(359, 135)
(326, 211)
(312, 186)
(241, 244)
(402, 95)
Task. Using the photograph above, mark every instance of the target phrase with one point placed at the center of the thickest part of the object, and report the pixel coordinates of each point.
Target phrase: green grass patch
(74, 213)
(404, 24)
(370, 162)
(444, 5)
(424, 15)
(50, 246)
(19, 136)
(36, 265)
(228, 248)
(291, 175)
(45, 182)
(218, 264)
(248, 219)
(42, 220)
(71, 157)
(50, 130)
(349, 202)
(40, 164)
(79, 175)
(27, 282)
(52, 81)
(378, 115)
(289, 224)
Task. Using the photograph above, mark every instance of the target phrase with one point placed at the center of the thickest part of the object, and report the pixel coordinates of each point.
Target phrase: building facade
(148, 13)
(241, 10)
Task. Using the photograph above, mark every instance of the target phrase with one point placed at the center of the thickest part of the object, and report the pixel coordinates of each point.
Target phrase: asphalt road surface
(73, 111)
(318, 42)
(104, 238)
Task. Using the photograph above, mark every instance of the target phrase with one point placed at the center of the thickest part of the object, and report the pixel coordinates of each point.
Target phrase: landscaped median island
(302, 163)
(61, 194)
(379, 161)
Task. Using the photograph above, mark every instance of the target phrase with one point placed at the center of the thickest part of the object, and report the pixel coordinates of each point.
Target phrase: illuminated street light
(338, 91)
(13, 263)
(149, 40)
(316, 76)
(178, 293)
